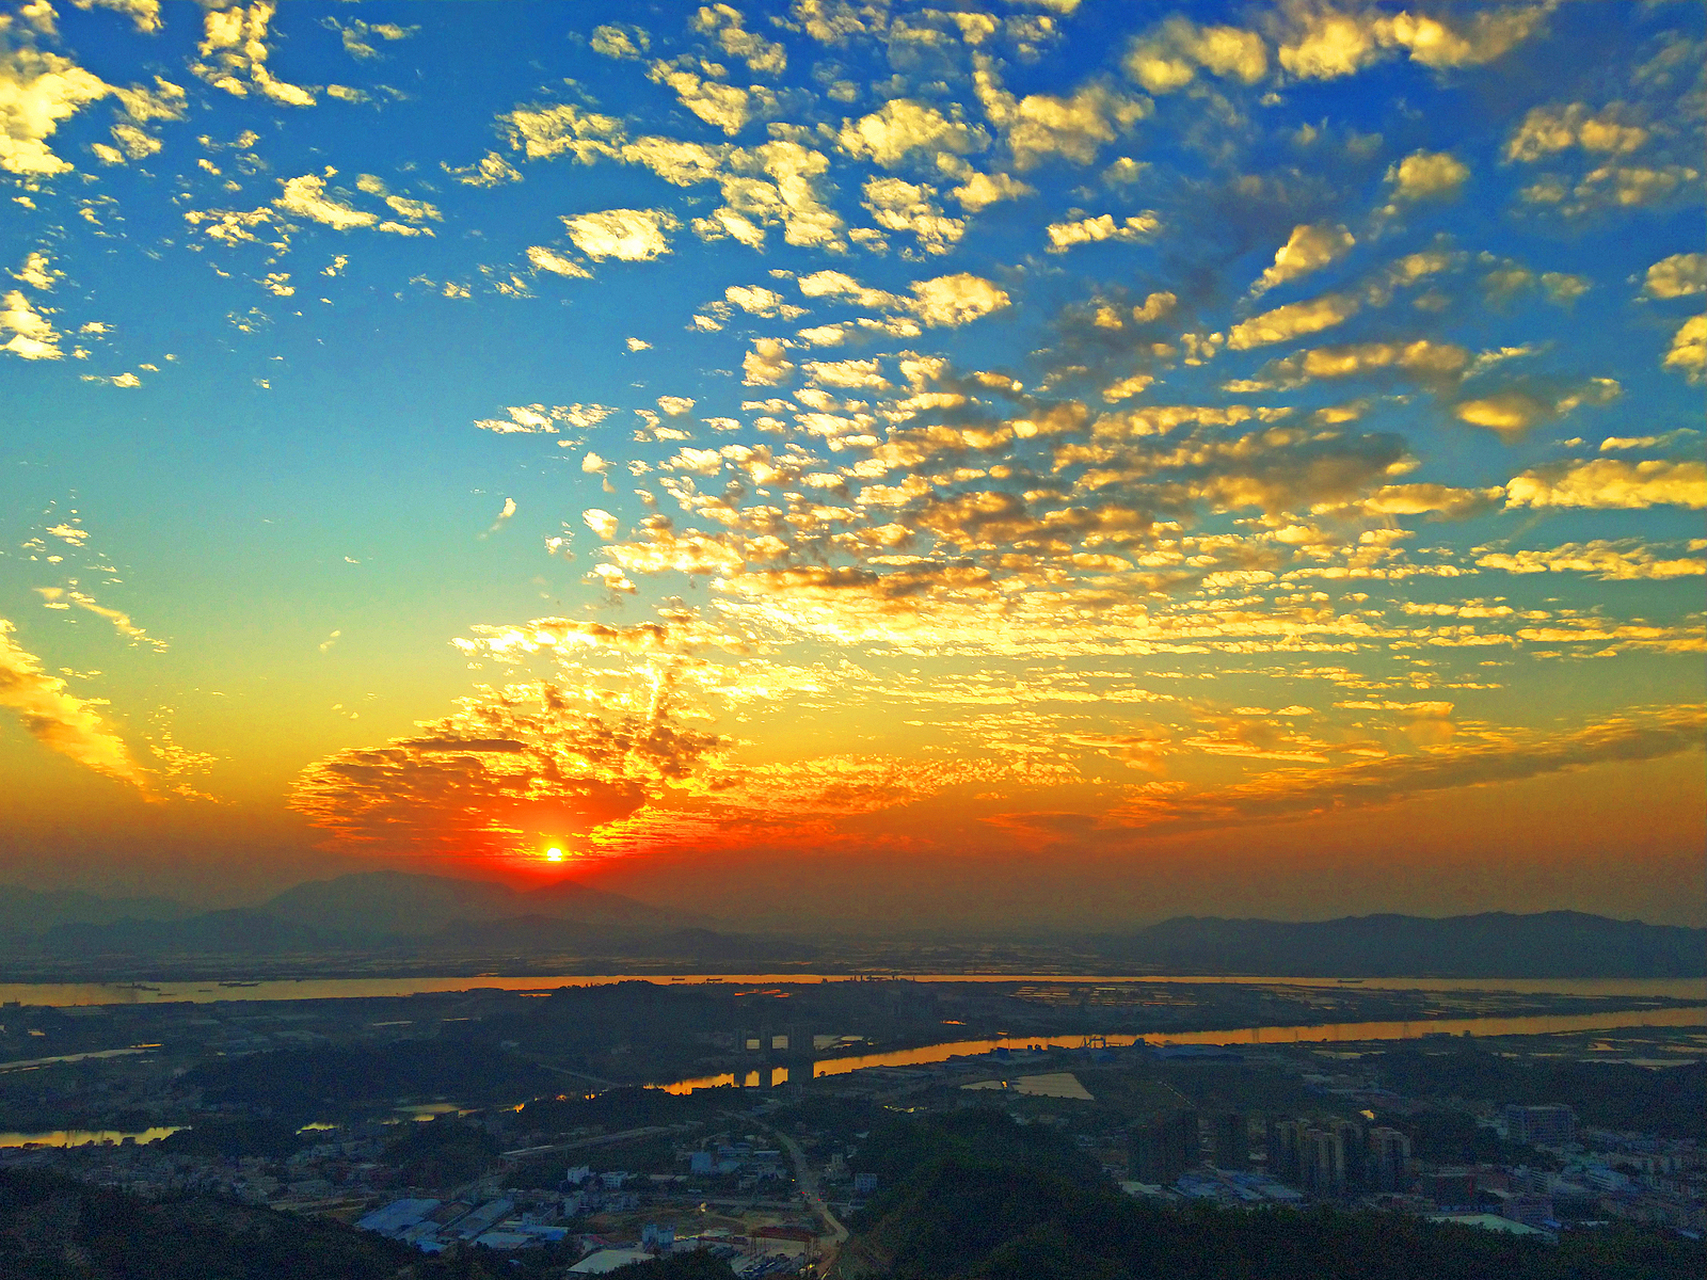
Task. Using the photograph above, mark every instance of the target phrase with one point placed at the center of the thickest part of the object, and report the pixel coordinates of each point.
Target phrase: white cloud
(544, 259)
(1612, 483)
(767, 364)
(234, 52)
(37, 271)
(39, 90)
(982, 190)
(902, 127)
(619, 40)
(1427, 175)
(1680, 276)
(306, 197)
(756, 300)
(1309, 248)
(1293, 321)
(897, 205)
(1064, 235)
(1688, 352)
(723, 23)
(724, 106)
(144, 13)
(1168, 56)
(33, 336)
(1041, 127)
(954, 300)
(631, 235)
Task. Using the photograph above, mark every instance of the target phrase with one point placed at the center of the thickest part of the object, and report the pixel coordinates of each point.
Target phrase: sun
(554, 854)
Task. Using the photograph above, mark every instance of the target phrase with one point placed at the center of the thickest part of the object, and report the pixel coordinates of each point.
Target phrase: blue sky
(710, 440)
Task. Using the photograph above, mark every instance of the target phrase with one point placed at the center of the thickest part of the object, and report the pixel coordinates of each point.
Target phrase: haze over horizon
(1038, 462)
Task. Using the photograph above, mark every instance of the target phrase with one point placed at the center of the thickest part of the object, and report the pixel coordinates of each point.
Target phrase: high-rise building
(1232, 1137)
(1550, 1126)
(1285, 1140)
(1166, 1147)
(1389, 1151)
(1323, 1160)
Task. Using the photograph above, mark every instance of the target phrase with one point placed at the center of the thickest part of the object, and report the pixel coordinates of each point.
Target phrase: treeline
(974, 1195)
(331, 1082)
(1669, 1101)
(52, 1228)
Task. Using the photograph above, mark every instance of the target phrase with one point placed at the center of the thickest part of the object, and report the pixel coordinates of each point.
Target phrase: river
(64, 994)
(1322, 1033)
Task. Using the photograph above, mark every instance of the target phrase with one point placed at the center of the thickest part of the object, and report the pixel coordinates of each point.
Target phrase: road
(807, 1181)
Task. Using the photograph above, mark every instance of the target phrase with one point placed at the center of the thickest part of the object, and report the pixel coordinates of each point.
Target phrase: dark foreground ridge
(976, 1195)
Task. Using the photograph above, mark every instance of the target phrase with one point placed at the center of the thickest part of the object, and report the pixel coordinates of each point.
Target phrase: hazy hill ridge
(399, 912)
(1551, 944)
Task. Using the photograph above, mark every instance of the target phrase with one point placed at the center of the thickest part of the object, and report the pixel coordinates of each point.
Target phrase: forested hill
(974, 1195)
(1496, 944)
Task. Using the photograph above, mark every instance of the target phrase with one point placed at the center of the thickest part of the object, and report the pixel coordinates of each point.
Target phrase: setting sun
(554, 855)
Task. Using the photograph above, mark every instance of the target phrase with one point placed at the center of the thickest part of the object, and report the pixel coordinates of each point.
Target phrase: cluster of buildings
(1333, 1158)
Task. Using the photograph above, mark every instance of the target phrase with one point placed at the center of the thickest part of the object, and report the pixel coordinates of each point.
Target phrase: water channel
(1323, 1033)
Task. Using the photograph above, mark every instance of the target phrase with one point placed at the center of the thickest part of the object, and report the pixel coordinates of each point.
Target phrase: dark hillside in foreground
(1553, 944)
(976, 1195)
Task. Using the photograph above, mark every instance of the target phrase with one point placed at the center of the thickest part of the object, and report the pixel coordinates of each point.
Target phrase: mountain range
(398, 914)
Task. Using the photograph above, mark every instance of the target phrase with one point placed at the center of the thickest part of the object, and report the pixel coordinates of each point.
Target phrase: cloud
(1607, 561)
(234, 55)
(982, 190)
(1548, 130)
(144, 13)
(897, 205)
(620, 41)
(629, 235)
(954, 300)
(724, 106)
(1688, 351)
(1322, 42)
(903, 127)
(544, 259)
(756, 300)
(1281, 794)
(491, 170)
(38, 272)
(1512, 413)
(1064, 235)
(1423, 359)
(57, 718)
(1442, 501)
(509, 770)
(540, 418)
(1041, 127)
(38, 91)
(724, 24)
(1427, 175)
(1310, 247)
(767, 364)
(306, 197)
(1168, 56)
(1680, 276)
(1612, 483)
(33, 335)
(1293, 321)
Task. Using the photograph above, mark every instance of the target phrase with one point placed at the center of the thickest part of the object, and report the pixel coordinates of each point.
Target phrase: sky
(1042, 462)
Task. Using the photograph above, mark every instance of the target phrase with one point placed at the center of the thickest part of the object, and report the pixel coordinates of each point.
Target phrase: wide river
(205, 991)
(1322, 1033)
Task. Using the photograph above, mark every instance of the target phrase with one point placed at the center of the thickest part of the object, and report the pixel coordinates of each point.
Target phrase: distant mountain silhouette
(1552, 944)
(376, 912)
(397, 904)
(32, 911)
